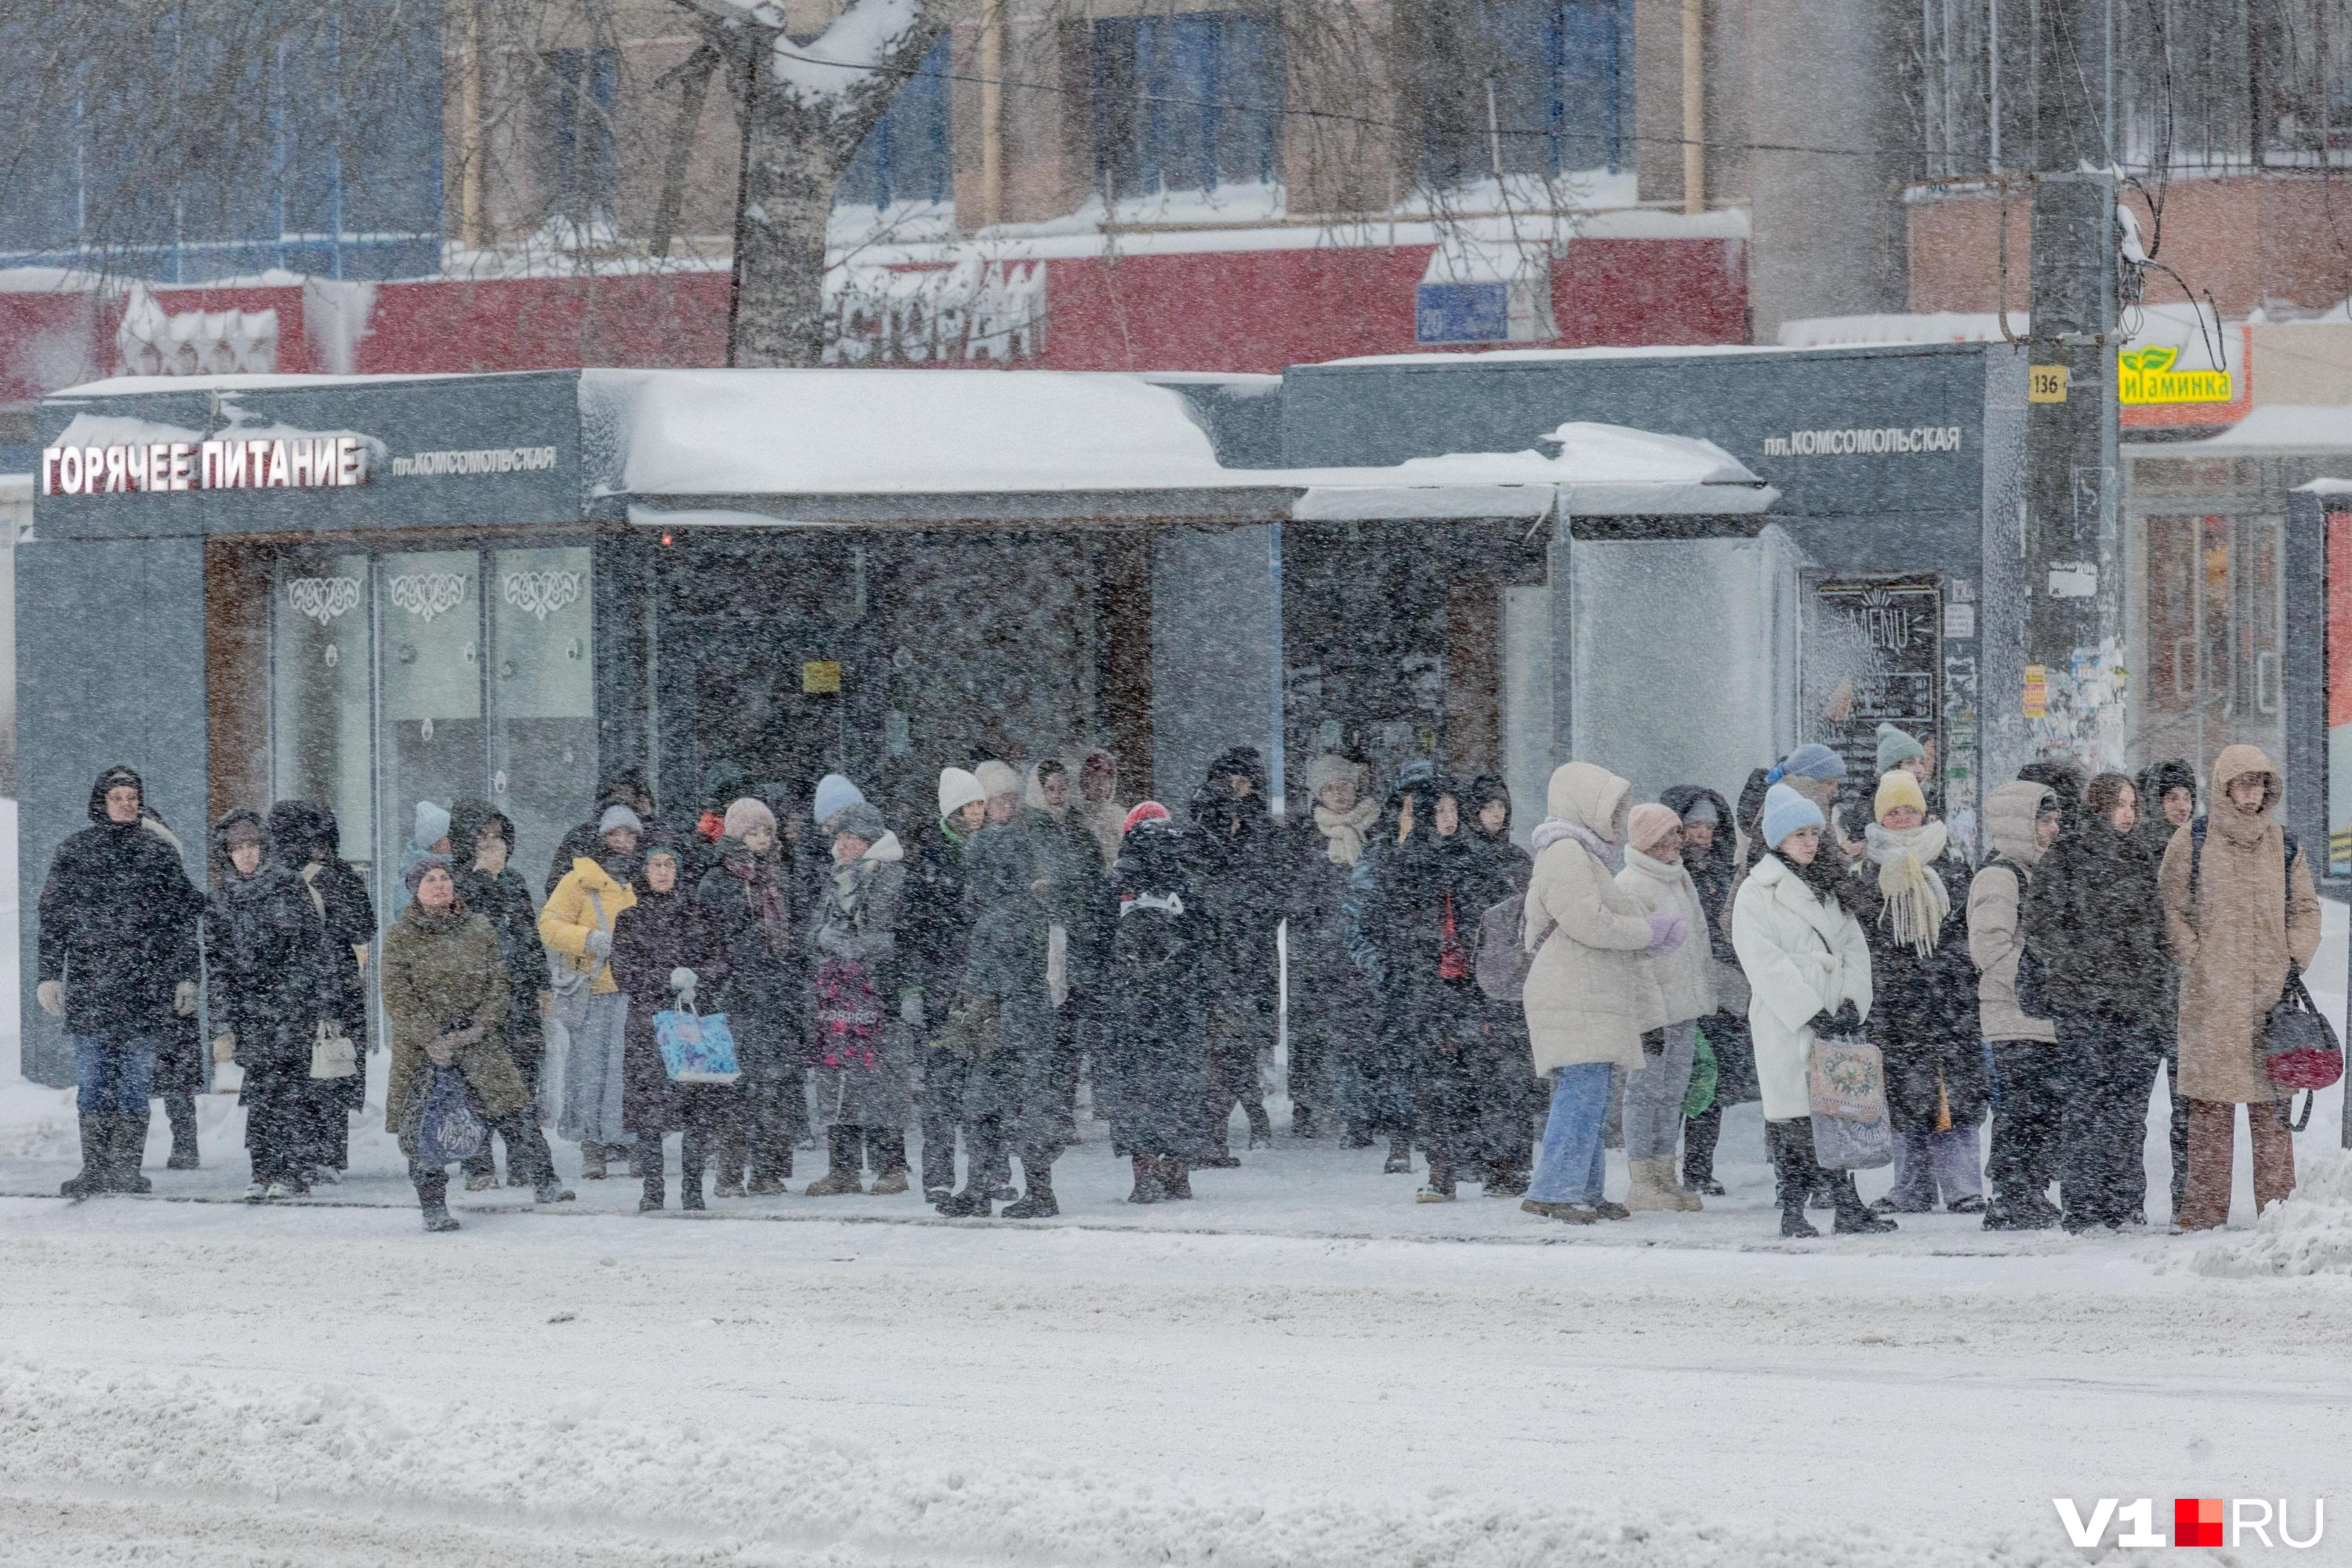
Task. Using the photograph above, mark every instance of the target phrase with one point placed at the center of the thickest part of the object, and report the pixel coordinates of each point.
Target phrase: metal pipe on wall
(992, 112)
(1693, 106)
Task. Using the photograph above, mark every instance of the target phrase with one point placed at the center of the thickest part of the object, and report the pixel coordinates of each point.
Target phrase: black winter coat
(118, 923)
(1326, 986)
(270, 960)
(1923, 1012)
(305, 838)
(1145, 939)
(2094, 918)
(934, 929)
(748, 907)
(658, 933)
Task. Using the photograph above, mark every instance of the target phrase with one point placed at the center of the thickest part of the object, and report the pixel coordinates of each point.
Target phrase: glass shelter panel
(321, 715)
(430, 604)
(543, 685)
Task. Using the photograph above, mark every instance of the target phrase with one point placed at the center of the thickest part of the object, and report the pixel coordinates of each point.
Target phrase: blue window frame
(1561, 73)
(1186, 103)
(909, 155)
(581, 85)
(335, 169)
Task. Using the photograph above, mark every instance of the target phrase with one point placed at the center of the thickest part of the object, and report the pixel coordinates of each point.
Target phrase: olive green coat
(439, 968)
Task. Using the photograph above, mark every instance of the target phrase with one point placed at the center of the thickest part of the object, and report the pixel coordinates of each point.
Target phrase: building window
(321, 155)
(1186, 103)
(580, 87)
(907, 157)
(1518, 87)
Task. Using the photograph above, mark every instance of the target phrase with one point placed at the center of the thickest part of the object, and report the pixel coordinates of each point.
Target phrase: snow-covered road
(326, 1385)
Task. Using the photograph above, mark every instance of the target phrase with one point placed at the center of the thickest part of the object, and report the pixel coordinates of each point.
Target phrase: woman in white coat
(1590, 991)
(1808, 968)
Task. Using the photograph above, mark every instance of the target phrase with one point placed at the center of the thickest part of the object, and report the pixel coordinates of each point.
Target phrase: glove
(183, 999)
(1849, 1019)
(52, 996)
(223, 1048)
(1667, 932)
(910, 1008)
(599, 944)
(1823, 1023)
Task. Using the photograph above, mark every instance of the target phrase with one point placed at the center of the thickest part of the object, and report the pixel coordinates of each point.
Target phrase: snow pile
(2310, 1233)
(328, 1445)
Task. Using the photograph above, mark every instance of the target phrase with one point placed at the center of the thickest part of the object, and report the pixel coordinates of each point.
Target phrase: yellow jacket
(570, 914)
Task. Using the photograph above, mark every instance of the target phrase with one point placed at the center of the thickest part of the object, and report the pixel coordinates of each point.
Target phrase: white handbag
(332, 1052)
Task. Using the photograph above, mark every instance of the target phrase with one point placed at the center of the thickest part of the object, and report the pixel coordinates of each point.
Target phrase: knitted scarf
(1344, 830)
(1916, 901)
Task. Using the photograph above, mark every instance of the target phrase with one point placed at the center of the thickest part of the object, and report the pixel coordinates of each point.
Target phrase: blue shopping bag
(697, 1048)
(449, 1129)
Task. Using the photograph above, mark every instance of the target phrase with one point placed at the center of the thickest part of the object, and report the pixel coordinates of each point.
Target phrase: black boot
(1700, 1134)
(1038, 1203)
(1147, 1181)
(1176, 1180)
(97, 1159)
(130, 1150)
(1261, 1126)
(656, 1193)
(1221, 1156)
(693, 1150)
(1792, 1177)
(1854, 1216)
(1400, 1160)
(180, 1110)
(433, 1200)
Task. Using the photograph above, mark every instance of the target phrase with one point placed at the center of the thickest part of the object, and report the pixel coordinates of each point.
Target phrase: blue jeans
(115, 1075)
(1568, 1167)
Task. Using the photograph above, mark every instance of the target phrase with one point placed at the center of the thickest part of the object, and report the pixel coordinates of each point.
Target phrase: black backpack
(2196, 860)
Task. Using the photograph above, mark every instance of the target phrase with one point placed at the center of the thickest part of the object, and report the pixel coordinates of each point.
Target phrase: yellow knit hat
(1897, 788)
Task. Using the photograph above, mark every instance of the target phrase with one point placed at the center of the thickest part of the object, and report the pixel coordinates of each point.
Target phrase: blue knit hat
(1786, 811)
(834, 793)
(432, 826)
(1811, 761)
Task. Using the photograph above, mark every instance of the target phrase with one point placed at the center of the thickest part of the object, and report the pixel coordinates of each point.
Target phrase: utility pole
(2074, 557)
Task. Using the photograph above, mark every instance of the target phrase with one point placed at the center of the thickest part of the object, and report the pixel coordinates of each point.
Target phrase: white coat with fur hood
(1590, 994)
(1686, 977)
(1803, 954)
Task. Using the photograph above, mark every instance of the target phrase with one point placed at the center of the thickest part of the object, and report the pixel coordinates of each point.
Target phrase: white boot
(1649, 1193)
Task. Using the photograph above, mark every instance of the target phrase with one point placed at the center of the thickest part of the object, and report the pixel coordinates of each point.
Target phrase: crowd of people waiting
(1507, 1015)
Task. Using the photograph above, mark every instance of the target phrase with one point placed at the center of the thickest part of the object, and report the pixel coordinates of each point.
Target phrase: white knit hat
(958, 789)
(997, 778)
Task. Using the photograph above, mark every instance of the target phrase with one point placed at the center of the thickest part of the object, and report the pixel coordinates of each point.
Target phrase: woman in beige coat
(2243, 919)
(1590, 991)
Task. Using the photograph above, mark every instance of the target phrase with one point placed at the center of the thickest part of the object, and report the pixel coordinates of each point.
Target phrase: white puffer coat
(1589, 992)
(1803, 955)
(1686, 977)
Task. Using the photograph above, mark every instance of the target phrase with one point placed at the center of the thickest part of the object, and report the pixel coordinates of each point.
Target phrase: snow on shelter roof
(872, 433)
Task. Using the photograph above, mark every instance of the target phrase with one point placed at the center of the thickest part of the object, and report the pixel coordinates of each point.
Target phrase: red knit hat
(1149, 811)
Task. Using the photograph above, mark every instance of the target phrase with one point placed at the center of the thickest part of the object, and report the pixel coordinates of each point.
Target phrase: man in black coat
(1236, 859)
(118, 963)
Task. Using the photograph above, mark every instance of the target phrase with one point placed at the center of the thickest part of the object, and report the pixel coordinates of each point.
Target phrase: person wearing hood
(1068, 867)
(2022, 820)
(765, 981)
(1711, 856)
(576, 927)
(1383, 1080)
(1590, 989)
(1683, 982)
(857, 993)
(587, 841)
(1017, 1095)
(931, 968)
(1508, 1098)
(1914, 910)
(1144, 939)
(1333, 1010)
(2168, 803)
(2095, 919)
(268, 950)
(1422, 918)
(489, 886)
(118, 961)
(2243, 921)
(305, 837)
(668, 957)
(1236, 862)
(444, 994)
(1098, 805)
(1809, 974)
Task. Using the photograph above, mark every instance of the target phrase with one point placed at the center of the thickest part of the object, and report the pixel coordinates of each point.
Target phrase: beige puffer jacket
(1994, 900)
(1591, 993)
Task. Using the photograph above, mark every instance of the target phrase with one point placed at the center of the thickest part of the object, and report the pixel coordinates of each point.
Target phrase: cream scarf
(1345, 830)
(1916, 903)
